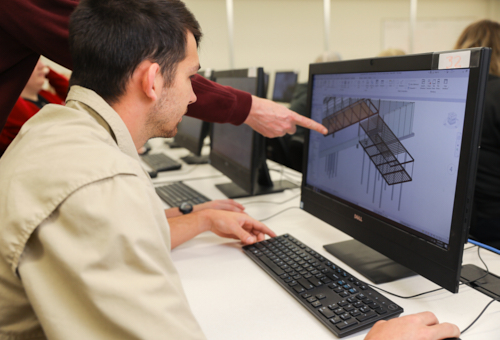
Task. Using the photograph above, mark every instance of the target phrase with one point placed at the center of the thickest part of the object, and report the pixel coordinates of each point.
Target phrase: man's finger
(309, 123)
(445, 330)
(260, 227)
(427, 318)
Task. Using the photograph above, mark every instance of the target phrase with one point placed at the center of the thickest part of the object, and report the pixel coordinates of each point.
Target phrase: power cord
(282, 211)
(285, 175)
(271, 202)
(480, 314)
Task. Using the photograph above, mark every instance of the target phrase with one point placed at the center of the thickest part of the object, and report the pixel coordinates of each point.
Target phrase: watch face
(186, 208)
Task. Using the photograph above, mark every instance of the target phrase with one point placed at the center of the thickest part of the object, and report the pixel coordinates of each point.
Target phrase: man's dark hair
(110, 38)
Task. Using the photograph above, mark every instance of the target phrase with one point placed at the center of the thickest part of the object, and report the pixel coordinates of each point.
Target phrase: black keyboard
(339, 300)
(160, 162)
(177, 192)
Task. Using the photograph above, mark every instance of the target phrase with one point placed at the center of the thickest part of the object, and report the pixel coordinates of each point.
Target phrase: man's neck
(128, 110)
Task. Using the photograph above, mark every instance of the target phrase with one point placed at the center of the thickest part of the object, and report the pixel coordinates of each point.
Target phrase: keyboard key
(326, 312)
(316, 304)
(299, 289)
(346, 323)
(306, 284)
(335, 320)
(366, 316)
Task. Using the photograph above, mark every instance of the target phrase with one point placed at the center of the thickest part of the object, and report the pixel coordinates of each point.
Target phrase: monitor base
(172, 144)
(368, 262)
(232, 190)
(193, 159)
(489, 284)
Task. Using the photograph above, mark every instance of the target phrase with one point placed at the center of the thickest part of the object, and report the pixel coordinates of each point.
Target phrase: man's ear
(151, 85)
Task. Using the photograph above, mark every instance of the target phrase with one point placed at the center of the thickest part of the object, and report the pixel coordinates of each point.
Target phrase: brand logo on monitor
(359, 218)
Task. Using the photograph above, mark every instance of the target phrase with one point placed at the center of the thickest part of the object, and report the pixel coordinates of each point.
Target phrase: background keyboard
(177, 192)
(340, 301)
(160, 162)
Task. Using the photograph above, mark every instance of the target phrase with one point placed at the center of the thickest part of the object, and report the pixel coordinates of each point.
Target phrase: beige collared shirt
(84, 242)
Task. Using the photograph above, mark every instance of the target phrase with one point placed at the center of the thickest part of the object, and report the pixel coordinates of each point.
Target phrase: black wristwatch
(185, 208)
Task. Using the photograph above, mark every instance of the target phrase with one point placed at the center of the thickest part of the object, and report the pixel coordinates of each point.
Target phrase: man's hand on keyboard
(421, 326)
(221, 222)
(228, 204)
(238, 226)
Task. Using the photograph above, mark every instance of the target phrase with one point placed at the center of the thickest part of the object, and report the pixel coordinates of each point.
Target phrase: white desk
(233, 298)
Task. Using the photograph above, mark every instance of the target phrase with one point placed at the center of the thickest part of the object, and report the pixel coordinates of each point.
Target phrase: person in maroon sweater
(30, 28)
(32, 99)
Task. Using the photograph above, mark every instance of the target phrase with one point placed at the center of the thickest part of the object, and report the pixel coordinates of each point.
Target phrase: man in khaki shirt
(84, 240)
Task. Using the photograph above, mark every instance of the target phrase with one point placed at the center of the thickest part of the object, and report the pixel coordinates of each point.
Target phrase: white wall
(288, 34)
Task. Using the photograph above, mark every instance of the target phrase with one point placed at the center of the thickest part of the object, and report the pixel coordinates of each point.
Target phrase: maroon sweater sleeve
(219, 104)
(59, 82)
(29, 28)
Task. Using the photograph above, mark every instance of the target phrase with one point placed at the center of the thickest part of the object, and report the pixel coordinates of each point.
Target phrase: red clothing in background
(25, 109)
(30, 28)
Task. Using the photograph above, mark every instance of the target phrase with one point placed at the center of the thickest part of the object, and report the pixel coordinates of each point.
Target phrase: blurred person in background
(391, 52)
(32, 99)
(485, 222)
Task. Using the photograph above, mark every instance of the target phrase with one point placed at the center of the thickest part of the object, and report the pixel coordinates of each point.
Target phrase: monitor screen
(238, 151)
(191, 133)
(396, 169)
(284, 85)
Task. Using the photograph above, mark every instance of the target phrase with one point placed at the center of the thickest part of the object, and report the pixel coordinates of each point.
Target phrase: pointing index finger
(309, 123)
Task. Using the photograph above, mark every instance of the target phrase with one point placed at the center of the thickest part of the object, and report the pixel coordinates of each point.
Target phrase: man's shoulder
(63, 143)
(56, 153)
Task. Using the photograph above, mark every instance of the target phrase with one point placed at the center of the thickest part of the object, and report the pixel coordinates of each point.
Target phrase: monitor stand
(368, 262)
(172, 144)
(193, 159)
(232, 190)
(489, 284)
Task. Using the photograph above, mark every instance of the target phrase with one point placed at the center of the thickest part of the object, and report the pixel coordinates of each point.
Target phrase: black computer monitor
(238, 151)
(284, 85)
(207, 73)
(191, 134)
(396, 169)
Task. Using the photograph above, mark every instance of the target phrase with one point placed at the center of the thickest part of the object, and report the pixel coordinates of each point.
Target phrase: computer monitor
(238, 151)
(191, 134)
(396, 170)
(207, 73)
(284, 85)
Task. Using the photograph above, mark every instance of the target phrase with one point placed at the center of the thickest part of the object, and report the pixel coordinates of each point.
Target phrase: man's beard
(158, 119)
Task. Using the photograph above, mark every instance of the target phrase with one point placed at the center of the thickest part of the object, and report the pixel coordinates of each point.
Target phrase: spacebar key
(271, 265)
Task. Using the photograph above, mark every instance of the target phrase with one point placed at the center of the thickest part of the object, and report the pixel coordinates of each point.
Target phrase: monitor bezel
(247, 179)
(439, 265)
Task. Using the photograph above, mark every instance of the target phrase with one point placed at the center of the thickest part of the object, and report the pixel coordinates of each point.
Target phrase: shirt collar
(119, 130)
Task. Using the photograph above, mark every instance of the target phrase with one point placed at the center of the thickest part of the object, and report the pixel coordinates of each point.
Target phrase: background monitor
(284, 85)
(396, 169)
(238, 151)
(191, 133)
(207, 73)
